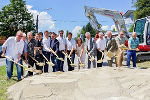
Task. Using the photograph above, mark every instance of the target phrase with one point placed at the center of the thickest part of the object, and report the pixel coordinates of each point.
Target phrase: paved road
(2, 61)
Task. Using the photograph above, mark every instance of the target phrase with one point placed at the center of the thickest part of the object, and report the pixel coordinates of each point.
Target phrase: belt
(62, 50)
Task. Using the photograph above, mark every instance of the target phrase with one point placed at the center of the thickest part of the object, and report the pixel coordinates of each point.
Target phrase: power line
(70, 20)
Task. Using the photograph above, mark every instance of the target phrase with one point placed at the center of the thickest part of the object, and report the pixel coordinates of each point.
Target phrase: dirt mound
(93, 84)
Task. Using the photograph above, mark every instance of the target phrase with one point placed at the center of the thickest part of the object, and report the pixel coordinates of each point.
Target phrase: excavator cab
(142, 28)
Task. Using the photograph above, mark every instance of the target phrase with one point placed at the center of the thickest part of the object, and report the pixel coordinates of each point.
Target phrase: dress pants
(70, 68)
(30, 62)
(47, 55)
(99, 56)
(60, 63)
(119, 58)
(39, 58)
(89, 62)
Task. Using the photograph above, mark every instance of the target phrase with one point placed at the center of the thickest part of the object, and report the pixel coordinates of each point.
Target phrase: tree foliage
(142, 8)
(87, 28)
(131, 28)
(15, 16)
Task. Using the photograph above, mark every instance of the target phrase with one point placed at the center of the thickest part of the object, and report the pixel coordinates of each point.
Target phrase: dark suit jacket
(55, 48)
(112, 45)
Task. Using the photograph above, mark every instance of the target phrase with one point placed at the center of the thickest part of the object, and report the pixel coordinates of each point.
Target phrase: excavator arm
(115, 15)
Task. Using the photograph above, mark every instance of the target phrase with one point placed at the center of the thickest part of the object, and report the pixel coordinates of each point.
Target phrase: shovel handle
(33, 59)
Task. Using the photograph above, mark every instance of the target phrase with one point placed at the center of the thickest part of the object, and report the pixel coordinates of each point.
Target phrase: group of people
(50, 47)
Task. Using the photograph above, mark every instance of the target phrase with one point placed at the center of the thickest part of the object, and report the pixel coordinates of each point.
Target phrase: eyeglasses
(20, 35)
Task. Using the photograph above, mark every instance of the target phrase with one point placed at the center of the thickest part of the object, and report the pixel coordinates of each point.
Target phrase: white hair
(87, 33)
(24, 34)
(19, 32)
(100, 33)
(29, 33)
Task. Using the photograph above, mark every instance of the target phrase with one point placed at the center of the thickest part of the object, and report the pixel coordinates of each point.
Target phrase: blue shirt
(134, 42)
(52, 44)
(25, 47)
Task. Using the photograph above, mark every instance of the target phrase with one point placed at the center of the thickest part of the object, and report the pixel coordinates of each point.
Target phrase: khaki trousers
(119, 58)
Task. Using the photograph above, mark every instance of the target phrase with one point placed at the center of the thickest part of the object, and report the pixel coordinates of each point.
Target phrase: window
(139, 29)
(148, 35)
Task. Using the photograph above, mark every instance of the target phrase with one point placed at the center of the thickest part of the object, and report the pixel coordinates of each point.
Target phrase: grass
(145, 64)
(4, 83)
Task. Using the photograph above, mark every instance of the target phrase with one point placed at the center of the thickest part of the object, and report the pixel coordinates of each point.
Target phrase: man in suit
(54, 45)
(111, 46)
(91, 48)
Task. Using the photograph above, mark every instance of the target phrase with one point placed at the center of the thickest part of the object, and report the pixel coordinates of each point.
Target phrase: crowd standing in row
(32, 49)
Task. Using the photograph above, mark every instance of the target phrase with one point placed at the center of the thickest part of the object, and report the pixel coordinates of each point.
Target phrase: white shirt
(62, 43)
(46, 44)
(70, 44)
(101, 44)
(88, 44)
(13, 48)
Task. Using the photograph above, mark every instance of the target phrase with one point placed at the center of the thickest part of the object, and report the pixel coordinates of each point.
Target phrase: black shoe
(26, 76)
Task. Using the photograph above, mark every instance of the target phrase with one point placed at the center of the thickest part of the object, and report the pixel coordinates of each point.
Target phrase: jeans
(60, 63)
(70, 68)
(21, 62)
(54, 61)
(9, 65)
(131, 53)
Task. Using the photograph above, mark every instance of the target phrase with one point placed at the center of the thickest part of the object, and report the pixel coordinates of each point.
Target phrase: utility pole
(37, 20)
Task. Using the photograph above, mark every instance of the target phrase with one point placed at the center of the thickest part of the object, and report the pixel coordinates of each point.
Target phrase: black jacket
(55, 48)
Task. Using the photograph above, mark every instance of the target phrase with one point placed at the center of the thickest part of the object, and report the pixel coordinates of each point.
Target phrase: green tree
(15, 16)
(67, 33)
(142, 8)
(87, 28)
(114, 30)
(131, 28)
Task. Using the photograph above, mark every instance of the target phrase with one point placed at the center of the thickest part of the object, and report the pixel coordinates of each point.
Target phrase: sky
(69, 14)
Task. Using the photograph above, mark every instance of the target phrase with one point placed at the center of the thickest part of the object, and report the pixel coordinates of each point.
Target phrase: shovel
(80, 63)
(31, 69)
(91, 57)
(48, 62)
(38, 63)
(72, 64)
(101, 60)
(61, 59)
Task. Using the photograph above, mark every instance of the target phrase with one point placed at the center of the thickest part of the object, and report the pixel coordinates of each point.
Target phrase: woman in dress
(80, 53)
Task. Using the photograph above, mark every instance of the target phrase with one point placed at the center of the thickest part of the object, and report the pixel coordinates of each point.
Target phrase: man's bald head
(109, 34)
(134, 35)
